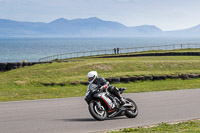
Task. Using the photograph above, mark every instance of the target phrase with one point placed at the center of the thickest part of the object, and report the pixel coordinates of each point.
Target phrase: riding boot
(122, 101)
(113, 90)
(119, 96)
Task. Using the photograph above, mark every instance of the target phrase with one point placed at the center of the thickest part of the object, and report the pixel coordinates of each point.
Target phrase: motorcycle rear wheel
(96, 112)
(132, 112)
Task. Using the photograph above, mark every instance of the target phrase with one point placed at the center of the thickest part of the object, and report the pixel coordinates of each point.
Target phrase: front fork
(99, 106)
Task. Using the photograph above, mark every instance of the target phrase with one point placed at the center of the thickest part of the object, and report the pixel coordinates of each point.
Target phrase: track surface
(70, 115)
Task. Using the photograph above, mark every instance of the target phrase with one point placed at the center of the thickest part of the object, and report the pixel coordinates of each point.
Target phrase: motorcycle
(104, 105)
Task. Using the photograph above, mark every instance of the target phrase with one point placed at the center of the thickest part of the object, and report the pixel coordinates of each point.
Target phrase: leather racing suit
(101, 82)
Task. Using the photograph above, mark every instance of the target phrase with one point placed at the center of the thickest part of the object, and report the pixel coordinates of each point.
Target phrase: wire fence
(118, 51)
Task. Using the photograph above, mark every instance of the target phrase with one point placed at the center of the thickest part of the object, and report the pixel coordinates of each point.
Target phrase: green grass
(15, 93)
(26, 83)
(183, 127)
(68, 72)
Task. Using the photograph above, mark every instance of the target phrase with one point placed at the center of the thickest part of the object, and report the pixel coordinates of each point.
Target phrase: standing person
(117, 50)
(96, 83)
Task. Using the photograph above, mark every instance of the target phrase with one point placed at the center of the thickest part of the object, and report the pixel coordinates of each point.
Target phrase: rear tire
(96, 113)
(133, 111)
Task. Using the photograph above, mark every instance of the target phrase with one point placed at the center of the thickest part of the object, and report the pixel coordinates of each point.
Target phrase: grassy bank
(27, 83)
(15, 93)
(183, 127)
(77, 70)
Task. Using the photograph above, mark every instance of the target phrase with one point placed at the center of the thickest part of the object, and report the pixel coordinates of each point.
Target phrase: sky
(165, 14)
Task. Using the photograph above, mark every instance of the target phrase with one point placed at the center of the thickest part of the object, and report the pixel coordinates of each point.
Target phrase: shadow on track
(78, 119)
(88, 119)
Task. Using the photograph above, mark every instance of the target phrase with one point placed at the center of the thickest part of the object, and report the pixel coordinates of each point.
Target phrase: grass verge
(15, 93)
(183, 127)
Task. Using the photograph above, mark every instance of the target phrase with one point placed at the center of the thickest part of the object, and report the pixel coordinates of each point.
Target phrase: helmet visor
(90, 79)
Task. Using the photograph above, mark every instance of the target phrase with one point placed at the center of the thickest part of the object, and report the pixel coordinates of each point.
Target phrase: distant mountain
(190, 32)
(82, 27)
(90, 27)
(15, 28)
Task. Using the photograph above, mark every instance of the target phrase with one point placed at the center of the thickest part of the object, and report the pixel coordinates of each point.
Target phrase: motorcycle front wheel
(99, 113)
(133, 111)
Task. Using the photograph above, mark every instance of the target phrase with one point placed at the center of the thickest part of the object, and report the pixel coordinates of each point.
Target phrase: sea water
(32, 49)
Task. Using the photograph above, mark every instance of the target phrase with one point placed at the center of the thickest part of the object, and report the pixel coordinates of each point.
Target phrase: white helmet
(92, 76)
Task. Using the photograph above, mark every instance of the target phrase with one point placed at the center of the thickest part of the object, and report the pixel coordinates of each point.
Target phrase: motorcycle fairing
(106, 99)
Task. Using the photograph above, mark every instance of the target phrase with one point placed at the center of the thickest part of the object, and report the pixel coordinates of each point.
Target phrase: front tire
(133, 111)
(98, 114)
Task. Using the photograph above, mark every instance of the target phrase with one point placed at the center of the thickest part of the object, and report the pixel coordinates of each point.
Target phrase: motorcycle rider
(95, 82)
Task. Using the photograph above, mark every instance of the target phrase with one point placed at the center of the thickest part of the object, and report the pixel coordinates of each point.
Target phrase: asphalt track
(70, 115)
